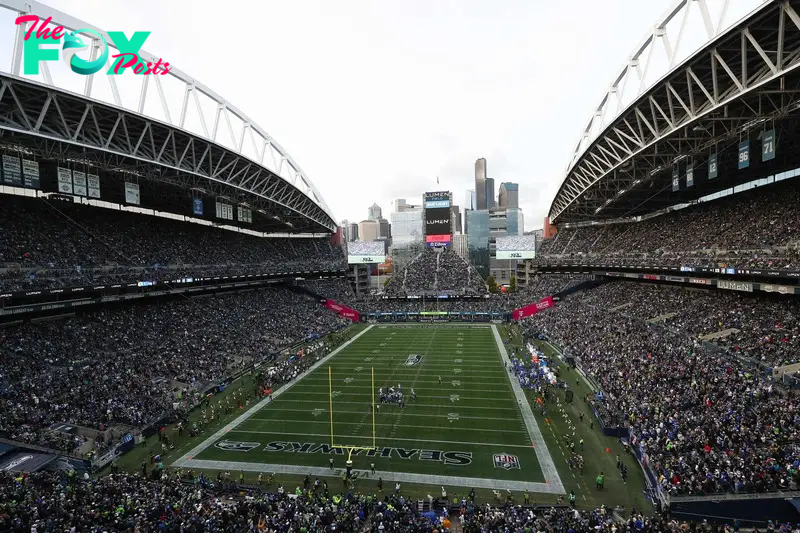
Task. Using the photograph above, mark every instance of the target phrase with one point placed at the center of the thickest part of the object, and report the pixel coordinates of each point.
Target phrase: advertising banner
(532, 309)
(343, 311)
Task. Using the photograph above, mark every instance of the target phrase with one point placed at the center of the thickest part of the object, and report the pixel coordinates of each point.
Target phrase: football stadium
(191, 340)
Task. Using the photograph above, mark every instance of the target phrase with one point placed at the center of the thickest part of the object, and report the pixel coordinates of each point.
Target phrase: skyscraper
(374, 212)
(480, 183)
(368, 230)
(490, 198)
(509, 195)
(469, 202)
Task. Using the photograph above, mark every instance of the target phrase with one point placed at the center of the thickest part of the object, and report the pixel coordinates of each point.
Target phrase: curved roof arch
(175, 98)
(685, 28)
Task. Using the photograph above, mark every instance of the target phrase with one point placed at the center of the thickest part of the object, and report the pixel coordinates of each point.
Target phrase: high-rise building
(503, 223)
(374, 212)
(352, 232)
(509, 195)
(461, 246)
(455, 219)
(349, 231)
(401, 206)
(368, 230)
(384, 229)
(478, 239)
(480, 184)
(407, 228)
(491, 201)
(469, 199)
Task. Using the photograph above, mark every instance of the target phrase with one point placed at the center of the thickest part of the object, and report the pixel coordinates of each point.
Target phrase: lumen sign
(40, 32)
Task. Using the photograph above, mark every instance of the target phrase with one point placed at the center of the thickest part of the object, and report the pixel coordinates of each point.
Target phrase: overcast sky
(375, 99)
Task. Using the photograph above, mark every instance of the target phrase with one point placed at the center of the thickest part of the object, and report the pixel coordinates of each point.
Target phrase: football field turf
(474, 429)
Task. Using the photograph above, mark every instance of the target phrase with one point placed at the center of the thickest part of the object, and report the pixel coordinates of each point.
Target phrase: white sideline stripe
(448, 406)
(327, 423)
(391, 413)
(260, 405)
(425, 479)
(385, 439)
(542, 452)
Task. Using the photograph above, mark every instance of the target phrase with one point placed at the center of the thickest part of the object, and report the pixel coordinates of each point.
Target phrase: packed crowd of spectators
(120, 365)
(339, 290)
(45, 501)
(707, 421)
(437, 270)
(51, 243)
(763, 328)
(706, 234)
(182, 501)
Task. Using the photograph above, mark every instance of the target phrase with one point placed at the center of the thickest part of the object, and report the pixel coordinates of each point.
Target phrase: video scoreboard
(366, 252)
(438, 223)
(516, 247)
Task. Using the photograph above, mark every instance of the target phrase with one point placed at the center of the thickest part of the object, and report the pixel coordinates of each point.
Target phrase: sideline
(184, 461)
(425, 479)
(540, 447)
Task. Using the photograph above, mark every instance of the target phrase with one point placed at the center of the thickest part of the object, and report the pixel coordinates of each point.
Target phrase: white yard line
(542, 452)
(552, 485)
(387, 439)
(260, 405)
(327, 423)
(393, 412)
(420, 404)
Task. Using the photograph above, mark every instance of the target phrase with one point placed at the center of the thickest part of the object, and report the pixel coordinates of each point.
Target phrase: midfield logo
(413, 359)
(506, 461)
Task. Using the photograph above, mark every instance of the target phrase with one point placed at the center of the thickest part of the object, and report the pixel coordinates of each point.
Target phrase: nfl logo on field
(504, 460)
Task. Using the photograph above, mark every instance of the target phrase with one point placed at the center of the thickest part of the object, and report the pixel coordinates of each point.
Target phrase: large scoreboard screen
(437, 221)
(438, 226)
(519, 247)
(366, 252)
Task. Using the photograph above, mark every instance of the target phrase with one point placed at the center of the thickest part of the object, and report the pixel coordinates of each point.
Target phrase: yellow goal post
(348, 447)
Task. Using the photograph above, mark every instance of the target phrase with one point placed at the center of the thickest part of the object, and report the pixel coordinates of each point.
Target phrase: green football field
(470, 425)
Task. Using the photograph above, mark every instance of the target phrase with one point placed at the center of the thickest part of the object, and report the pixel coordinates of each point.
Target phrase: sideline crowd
(123, 365)
(705, 234)
(45, 502)
(707, 421)
(49, 244)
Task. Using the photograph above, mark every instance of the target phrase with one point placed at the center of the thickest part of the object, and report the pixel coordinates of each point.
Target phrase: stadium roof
(169, 129)
(741, 83)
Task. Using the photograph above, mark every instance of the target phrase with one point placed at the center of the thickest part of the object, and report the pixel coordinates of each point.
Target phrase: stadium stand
(437, 271)
(181, 501)
(339, 289)
(123, 365)
(707, 421)
(706, 233)
(52, 243)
